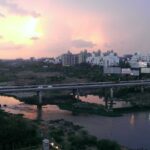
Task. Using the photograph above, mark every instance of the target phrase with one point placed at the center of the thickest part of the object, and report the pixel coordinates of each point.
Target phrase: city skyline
(50, 28)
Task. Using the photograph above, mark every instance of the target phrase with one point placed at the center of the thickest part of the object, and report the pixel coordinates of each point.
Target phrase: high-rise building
(69, 59)
(82, 56)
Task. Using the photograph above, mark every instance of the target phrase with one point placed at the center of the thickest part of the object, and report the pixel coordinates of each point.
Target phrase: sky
(47, 28)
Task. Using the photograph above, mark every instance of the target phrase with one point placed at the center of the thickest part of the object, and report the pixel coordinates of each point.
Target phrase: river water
(131, 130)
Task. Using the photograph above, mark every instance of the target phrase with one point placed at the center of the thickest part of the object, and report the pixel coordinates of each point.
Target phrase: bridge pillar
(106, 103)
(111, 105)
(111, 93)
(39, 93)
(39, 112)
(78, 94)
(74, 93)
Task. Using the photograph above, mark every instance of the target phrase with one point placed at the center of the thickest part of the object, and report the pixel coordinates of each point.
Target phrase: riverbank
(17, 132)
(67, 136)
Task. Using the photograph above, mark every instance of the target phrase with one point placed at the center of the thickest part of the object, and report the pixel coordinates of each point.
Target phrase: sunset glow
(54, 27)
(19, 30)
(30, 29)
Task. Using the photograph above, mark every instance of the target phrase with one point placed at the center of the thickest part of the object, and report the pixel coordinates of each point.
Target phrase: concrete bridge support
(111, 92)
(39, 93)
(110, 107)
(106, 103)
(76, 93)
(39, 112)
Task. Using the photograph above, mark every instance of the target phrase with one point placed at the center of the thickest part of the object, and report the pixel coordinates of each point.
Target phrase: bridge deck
(95, 85)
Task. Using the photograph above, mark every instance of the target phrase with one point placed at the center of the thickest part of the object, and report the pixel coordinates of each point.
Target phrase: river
(131, 130)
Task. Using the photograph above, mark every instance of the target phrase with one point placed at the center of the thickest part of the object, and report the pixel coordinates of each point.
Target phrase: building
(111, 59)
(140, 57)
(112, 70)
(58, 60)
(82, 56)
(49, 60)
(121, 71)
(69, 59)
(95, 58)
(139, 60)
(103, 59)
(138, 64)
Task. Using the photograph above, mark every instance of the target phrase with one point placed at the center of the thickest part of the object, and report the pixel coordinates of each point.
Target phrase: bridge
(39, 89)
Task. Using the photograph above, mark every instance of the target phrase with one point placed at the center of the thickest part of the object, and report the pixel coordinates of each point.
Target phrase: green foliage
(17, 132)
(124, 64)
(73, 138)
(108, 145)
(84, 71)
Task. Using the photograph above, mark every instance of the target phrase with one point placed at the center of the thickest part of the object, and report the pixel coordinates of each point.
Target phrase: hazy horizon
(47, 28)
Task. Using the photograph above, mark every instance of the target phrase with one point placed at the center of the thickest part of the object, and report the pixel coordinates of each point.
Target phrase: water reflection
(149, 116)
(108, 103)
(34, 112)
(92, 99)
(39, 112)
(132, 120)
(5, 100)
(30, 111)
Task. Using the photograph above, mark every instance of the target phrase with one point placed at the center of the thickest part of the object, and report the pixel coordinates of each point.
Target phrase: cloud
(80, 43)
(10, 46)
(1, 37)
(15, 8)
(2, 15)
(34, 38)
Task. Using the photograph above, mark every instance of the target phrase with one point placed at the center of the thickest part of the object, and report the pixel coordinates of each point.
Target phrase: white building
(139, 64)
(58, 60)
(82, 56)
(141, 57)
(139, 60)
(104, 59)
(95, 59)
(49, 60)
(111, 59)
